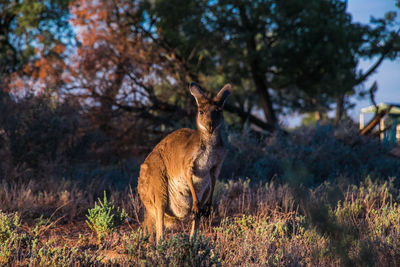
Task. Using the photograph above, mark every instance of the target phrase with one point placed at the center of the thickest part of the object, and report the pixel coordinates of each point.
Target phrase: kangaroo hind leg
(148, 225)
(160, 212)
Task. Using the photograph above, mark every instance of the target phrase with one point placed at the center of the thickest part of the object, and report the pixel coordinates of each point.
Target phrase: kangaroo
(178, 177)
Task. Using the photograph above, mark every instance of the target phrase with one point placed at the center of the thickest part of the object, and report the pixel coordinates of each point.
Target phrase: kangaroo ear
(198, 94)
(223, 94)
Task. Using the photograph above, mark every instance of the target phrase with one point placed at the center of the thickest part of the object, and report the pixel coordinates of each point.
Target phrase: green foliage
(49, 254)
(40, 225)
(41, 137)
(358, 225)
(279, 56)
(310, 60)
(359, 229)
(137, 244)
(38, 133)
(10, 239)
(269, 241)
(104, 218)
(310, 119)
(264, 224)
(309, 156)
(176, 250)
(8, 225)
(23, 22)
(16, 244)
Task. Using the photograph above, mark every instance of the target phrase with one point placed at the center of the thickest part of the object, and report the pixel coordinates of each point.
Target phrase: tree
(298, 56)
(30, 32)
(131, 87)
(133, 60)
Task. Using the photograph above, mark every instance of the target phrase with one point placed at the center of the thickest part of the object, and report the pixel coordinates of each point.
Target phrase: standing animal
(178, 177)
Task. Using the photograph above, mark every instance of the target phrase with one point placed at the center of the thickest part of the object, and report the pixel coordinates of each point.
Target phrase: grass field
(266, 224)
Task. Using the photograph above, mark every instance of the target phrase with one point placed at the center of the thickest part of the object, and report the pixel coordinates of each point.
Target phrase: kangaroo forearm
(192, 191)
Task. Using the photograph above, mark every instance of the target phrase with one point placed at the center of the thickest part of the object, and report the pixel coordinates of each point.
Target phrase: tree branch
(247, 116)
(386, 49)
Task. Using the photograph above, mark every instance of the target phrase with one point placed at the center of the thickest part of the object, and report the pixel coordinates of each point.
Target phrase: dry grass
(264, 225)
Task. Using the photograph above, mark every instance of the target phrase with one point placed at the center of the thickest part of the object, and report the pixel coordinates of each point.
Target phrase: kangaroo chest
(181, 203)
(205, 160)
(202, 166)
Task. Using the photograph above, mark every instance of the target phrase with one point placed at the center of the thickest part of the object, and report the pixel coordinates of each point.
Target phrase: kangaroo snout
(210, 128)
(210, 124)
(213, 127)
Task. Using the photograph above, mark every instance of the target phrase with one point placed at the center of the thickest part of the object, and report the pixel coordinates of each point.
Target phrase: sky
(388, 74)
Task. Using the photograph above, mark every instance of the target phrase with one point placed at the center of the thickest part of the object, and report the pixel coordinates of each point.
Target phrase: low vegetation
(268, 224)
(320, 196)
(103, 219)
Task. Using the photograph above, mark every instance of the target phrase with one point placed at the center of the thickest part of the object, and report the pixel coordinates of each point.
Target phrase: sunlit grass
(268, 225)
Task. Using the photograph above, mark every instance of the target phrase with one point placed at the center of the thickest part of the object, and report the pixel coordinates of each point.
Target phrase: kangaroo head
(209, 111)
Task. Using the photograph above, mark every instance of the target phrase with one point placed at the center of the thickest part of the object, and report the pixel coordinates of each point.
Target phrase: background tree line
(114, 74)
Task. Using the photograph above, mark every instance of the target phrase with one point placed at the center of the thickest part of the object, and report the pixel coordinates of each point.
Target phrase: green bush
(176, 250)
(16, 245)
(8, 225)
(104, 218)
(49, 254)
(10, 238)
(308, 156)
(279, 240)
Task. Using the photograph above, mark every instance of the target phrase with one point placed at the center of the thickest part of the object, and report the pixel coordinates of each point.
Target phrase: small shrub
(49, 254)
(279, 240)
(10, 239)
(104, 218)
(308, 156)
(41, 225)
(8, 225)
(177, 250)
(137, 245)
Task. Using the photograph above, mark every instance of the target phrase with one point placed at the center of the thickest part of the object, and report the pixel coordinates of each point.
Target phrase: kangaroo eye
(201, 112)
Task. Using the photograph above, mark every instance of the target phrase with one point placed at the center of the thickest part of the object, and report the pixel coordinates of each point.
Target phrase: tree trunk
(265, 99)
(258, 74)
(261, 85)
(339, 108)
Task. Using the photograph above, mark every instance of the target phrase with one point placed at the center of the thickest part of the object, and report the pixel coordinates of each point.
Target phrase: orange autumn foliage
(117, 71)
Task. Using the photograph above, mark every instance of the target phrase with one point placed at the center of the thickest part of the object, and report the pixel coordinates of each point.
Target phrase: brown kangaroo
(179, 175)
